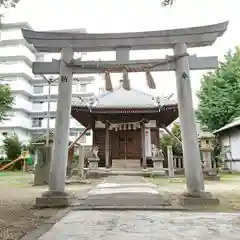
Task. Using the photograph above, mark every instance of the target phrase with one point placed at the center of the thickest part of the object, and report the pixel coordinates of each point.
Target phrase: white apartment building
(28, 118)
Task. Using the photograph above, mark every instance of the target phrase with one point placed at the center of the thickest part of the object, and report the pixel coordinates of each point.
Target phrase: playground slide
(12, 162)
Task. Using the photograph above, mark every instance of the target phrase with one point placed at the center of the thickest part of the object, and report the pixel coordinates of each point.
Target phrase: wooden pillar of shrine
(93, 133)
(107, 143)
(144, 159)
(158, 134)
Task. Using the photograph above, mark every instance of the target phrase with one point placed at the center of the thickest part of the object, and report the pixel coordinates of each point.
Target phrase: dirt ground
(17, 215)
(227, 190)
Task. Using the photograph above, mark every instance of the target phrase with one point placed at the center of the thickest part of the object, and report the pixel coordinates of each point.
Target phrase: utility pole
(49, 81)
(48, 112)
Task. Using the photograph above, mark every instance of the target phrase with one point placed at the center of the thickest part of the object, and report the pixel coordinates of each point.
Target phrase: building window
(37, 122)
(81, 87)
(38, 89)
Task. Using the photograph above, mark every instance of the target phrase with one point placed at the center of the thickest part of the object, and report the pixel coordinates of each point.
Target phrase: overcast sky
(132, 15)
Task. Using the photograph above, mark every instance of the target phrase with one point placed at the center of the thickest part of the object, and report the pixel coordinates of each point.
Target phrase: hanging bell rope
(126, 81)
(150, 81)
(108, 82)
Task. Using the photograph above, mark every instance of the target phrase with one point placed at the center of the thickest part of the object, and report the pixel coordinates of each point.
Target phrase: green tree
(167, 2)
(177, 147)
(6, 101)
(9, 3)
(219, 94)
(167, 140)
(6, 98)
(12, 146)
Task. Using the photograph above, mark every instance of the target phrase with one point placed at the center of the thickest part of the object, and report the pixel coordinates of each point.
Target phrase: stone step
(125, 191)
(126, 163)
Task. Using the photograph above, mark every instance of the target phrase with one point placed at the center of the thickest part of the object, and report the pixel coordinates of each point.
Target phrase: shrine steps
(126, 164)
(103, 172)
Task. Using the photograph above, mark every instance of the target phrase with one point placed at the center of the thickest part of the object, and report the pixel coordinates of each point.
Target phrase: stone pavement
(124, 191)
(130, 225)
(143, 225)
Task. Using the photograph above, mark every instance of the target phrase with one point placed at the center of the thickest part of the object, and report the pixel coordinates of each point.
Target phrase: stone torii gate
(177, 39)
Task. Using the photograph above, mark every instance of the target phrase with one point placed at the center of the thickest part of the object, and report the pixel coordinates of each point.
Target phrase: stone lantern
(157, 158)
(206, 140)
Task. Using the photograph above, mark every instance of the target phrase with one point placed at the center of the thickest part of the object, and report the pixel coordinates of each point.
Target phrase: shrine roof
(124, 99)
(233, 124)
(43, 138)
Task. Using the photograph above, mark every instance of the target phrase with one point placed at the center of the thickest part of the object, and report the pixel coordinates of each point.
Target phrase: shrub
(12, 146)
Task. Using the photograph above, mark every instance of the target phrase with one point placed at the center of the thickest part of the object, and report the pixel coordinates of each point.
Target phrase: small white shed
(230, 144)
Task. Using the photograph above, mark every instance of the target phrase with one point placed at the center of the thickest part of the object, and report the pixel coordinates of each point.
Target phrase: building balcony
(17, 121)
(20, 50)
(14, 68)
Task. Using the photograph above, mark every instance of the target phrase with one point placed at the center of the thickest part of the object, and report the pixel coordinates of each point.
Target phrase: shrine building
(125, 124)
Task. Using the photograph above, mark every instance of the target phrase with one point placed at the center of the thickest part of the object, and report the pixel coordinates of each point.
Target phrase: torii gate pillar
(56, 195)
(191, 152)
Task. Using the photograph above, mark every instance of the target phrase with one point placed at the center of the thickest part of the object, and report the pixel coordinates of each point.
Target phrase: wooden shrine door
(126, 145)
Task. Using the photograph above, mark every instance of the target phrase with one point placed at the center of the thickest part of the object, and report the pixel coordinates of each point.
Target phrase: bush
(12, 146)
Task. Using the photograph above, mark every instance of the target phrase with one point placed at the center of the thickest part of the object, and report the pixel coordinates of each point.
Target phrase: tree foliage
(12, 146)
(6, 98)
(167, 140)
(167, 2)
(9, 3)
(6, 101)
(219, 94)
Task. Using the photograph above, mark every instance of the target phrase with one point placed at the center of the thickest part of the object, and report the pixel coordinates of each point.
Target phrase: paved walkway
(124, 191)
(131, 225)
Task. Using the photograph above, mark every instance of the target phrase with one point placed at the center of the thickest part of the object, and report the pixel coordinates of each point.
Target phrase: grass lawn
(16, 179)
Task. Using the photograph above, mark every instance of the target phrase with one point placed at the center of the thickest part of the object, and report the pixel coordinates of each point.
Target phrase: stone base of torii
(178, 39)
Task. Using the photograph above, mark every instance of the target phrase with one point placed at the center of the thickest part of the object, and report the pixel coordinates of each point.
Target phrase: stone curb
(128, 208)
(39, 231)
